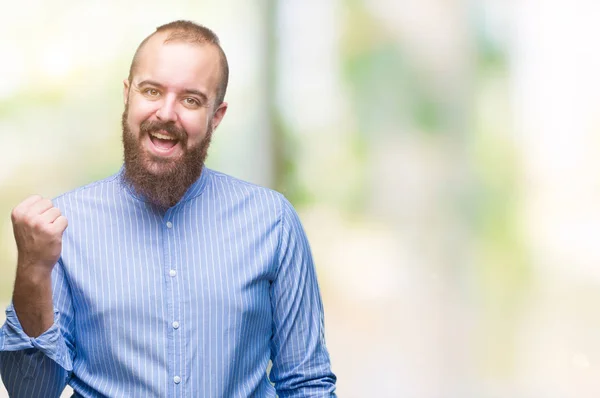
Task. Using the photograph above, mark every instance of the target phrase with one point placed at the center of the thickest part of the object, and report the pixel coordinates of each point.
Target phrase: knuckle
(34, 224)
(33, 198)
(38, 223)
(15, 214)
(28, 220)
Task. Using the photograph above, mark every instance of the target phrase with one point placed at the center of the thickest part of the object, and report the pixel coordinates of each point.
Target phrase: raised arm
(34, 358)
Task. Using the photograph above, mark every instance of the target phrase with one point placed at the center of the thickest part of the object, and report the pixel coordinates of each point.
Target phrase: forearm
(32, 300)
(30, 373)
(33, 367)
(310, 376)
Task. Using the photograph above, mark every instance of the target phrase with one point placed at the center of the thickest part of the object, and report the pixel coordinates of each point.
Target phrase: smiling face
(169, 116)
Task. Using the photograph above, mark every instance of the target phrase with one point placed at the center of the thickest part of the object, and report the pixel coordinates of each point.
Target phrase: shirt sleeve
(301, 364)
(40, 366)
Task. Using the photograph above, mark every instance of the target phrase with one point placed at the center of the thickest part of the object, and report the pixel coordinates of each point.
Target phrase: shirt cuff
(51, 343)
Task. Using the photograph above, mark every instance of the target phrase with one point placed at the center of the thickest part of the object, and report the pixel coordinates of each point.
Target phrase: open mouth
(162, 141)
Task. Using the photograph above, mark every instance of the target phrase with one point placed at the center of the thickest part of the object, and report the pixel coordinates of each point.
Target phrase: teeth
(162, 136)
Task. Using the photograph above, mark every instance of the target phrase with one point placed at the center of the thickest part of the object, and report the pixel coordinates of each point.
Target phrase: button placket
(172, 272)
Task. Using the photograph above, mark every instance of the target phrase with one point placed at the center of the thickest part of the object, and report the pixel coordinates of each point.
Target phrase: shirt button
(169, 224)
(172, 272)
(175, 325)
(177, 379)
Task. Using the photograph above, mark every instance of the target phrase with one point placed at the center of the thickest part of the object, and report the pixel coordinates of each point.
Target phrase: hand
(38, 227)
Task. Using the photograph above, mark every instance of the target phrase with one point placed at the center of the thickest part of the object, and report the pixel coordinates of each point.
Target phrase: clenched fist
(38, 227)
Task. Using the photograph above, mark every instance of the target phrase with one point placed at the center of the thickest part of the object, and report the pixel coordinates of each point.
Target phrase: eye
(191, 101)
(152, 92)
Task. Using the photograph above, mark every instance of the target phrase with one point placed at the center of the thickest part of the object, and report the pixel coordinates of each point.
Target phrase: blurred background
(442, 155)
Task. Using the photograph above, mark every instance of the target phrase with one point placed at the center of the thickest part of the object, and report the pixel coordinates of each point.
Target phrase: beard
(162, 181)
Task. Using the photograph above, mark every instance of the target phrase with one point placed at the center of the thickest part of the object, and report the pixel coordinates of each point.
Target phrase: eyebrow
(199, 93)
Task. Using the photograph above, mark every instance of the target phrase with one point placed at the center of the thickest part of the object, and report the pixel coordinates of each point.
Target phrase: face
(169, 117)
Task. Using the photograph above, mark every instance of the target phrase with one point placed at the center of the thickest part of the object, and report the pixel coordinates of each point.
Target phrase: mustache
(148, 126)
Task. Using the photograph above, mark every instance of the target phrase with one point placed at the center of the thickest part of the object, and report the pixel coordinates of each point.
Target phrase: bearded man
(171, 279)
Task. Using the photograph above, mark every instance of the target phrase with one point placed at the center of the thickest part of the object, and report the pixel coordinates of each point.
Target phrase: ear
(125, 91)
(218, 115)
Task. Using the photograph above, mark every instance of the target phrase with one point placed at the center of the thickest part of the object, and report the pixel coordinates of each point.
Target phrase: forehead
(178, 65)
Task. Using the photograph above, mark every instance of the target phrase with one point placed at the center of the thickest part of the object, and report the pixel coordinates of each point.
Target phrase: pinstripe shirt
(194, 301)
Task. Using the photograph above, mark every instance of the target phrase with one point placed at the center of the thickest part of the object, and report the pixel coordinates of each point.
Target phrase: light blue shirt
(191, 302)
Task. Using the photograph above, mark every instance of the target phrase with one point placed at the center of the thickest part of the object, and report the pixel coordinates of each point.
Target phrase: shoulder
(93, 190)
(266, 202)
(226, 184)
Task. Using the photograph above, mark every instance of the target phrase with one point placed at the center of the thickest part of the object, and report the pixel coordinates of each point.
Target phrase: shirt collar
(193, 191)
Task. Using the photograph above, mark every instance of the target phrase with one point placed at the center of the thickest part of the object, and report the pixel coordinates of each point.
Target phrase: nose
(166, 111)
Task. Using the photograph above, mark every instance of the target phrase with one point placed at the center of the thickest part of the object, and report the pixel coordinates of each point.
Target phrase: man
(171, 279)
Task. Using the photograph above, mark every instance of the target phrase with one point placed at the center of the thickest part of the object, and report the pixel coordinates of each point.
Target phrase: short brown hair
(191, 32)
